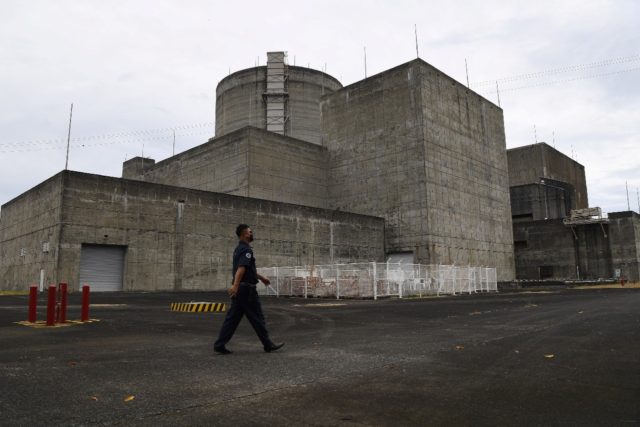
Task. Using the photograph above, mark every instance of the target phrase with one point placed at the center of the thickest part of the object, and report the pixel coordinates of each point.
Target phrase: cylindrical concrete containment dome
(256, 97)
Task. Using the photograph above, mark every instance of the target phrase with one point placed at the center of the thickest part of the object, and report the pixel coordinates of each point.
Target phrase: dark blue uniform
(246, 301)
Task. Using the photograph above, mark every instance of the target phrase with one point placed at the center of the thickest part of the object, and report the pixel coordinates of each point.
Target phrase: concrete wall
(624, 229)
(528, 164)
(28, 222)
(534, 202)
(249, 162)
(421, 150)
(594, 252)
(220, 165)
(239, 101)
(287, 170)
(167, 251)
(544, 244)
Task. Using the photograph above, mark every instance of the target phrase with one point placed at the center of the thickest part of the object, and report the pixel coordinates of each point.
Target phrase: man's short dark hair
(240, 228)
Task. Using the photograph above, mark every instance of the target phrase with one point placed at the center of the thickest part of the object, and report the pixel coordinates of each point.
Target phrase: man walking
(244, 296)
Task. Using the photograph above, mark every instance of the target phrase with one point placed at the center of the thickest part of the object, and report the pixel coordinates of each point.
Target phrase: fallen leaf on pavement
(94, 398)
(129, 398)
(549, 356)
(580, 312)
(459, 347)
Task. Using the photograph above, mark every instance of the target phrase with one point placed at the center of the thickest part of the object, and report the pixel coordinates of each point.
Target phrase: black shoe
(273, 347)
(222, 350)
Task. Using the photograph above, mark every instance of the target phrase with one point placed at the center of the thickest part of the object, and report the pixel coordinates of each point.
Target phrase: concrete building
(406, 165)
(420, 149)
(123, 234)
(556, 235)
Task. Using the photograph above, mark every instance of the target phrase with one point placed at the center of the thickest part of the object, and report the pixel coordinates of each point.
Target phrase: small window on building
(546, 271)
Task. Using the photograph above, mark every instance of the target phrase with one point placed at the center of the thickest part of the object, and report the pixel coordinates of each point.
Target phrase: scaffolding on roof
(276, 96)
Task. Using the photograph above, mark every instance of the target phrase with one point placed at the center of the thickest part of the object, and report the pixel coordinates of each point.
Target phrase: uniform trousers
(245, 303)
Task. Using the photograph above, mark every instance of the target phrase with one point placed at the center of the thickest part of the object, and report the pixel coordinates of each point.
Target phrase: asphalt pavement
(563, 357)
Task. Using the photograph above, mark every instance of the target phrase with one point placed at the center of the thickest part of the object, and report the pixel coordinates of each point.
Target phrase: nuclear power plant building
(408, 165)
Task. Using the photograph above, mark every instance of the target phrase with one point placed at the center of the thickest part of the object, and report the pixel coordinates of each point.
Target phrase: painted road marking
(42, 324)
(198, 307)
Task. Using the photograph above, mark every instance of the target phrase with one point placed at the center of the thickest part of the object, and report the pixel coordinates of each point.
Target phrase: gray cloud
(131, 66)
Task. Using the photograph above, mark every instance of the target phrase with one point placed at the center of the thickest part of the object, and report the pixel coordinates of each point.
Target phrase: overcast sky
(136, 69)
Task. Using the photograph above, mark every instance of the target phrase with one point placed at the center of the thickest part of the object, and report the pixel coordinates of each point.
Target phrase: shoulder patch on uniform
(248, 254)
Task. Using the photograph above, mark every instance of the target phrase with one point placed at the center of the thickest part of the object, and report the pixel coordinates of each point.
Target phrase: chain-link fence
(377, 280)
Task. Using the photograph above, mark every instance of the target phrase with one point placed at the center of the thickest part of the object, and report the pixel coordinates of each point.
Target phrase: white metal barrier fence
(376, 280)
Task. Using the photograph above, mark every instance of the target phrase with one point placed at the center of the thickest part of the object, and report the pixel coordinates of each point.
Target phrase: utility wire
(565, 69)
(555, 82)
(109, 135)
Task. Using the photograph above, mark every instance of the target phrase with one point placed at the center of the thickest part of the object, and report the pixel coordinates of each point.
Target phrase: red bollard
(85, 303)
(62, 308)
(51, 306)
(33, 303)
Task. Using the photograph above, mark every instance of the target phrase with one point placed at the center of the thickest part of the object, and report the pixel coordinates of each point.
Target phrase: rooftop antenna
(294, 60)
(498, 93)
(638, 198)
(553, 138)
(415, 28)
(626, 183)
(142, 150)
(572, 151)
(365, 62)
(66, 162)
(466, 67)
(174, 142)
(535, 133)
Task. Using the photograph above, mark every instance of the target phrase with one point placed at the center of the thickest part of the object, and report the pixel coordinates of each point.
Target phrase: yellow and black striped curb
(198, 307)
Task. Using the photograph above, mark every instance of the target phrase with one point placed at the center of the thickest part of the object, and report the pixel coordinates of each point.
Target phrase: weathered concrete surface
(551, 250)
(249, 162)
(240, 103)
(530, 163)
(476, 360)
(624, 231)
(420, 149)
(28, 224)
(532, 202)
(144, 217)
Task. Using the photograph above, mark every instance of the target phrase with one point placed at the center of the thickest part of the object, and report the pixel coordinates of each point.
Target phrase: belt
(251, 285)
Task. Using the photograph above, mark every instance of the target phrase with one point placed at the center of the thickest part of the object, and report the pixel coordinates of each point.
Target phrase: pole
(375, 285)
(174, 142)
(626, 183)
(467, 70)
(85, 303)
(51, 305)
(638, 198)
(498, 93)
(33, 303)
(66, 162)
(62, 313)
(415, 27)
(365, 62)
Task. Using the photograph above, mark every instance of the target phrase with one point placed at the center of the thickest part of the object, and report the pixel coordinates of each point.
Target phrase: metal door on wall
(102, 267)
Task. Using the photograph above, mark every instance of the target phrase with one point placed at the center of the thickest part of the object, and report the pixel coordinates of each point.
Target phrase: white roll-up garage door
(102, 267)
